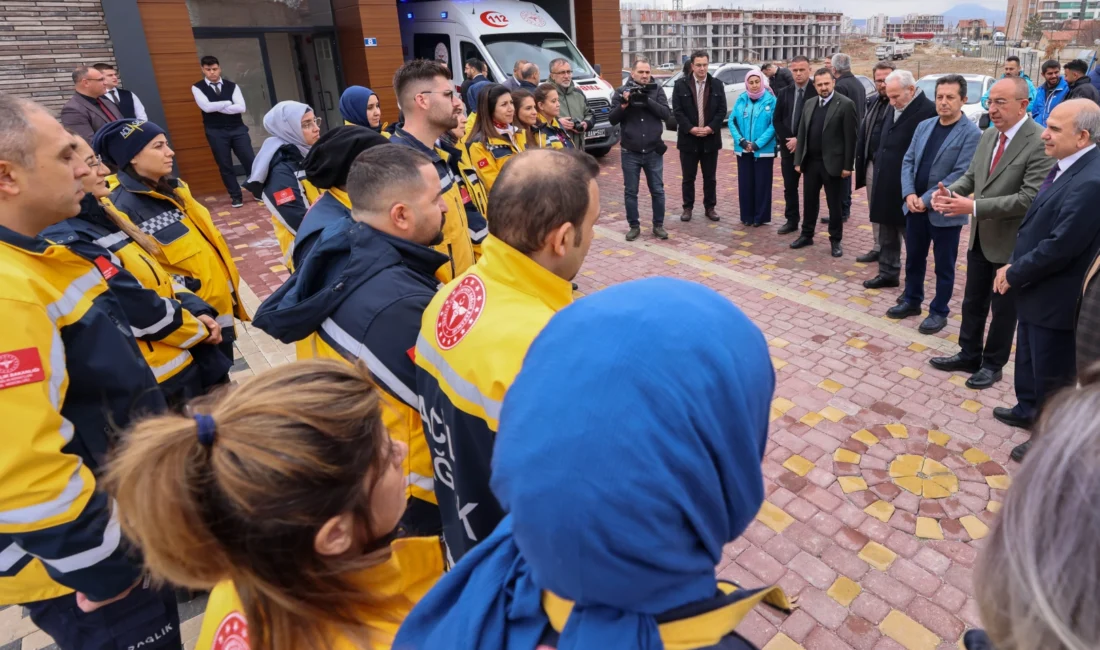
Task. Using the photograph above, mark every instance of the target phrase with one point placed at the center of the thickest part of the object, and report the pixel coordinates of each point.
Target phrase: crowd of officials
(433, 471)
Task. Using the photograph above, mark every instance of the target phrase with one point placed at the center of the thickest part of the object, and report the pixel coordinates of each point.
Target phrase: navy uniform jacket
(1057, 241)
(327, 210)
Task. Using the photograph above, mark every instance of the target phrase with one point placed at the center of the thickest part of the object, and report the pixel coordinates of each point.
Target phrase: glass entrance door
(244, 61)
(320, 75)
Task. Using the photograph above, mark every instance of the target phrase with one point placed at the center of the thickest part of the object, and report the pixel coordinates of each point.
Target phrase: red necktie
(1000, 152)
(106, 111)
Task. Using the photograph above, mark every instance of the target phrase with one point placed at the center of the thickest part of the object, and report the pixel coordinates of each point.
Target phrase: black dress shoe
(575, 287)
(825, 220)
(977, 640)
(787, 228)
(802, 242)
(955, 362)
(984, 378)
(1019, 451)
(633, 233)
(932, 324)
(711, 214)
(686, 215)
(867, 258)
(880, 281)
(836, 251)
(904, 310)
(1009, 417)
(901, 298)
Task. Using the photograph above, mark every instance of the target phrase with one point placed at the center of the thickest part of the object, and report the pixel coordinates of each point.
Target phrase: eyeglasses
(447, 94)
(314, 122)
(94, 161)
(1001, 103)
(95, 79)
(563, 72)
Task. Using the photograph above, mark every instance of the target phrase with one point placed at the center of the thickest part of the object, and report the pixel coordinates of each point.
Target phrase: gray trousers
(891, 239)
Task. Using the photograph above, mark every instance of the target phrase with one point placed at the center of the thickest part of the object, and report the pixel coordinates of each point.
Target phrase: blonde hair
(1036, 581)
(292, 448)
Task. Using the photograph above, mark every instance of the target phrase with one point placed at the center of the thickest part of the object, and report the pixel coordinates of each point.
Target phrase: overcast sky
(853, 8)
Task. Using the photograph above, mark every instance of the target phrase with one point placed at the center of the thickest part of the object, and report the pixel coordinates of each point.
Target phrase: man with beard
(363, 288)
(431, 107)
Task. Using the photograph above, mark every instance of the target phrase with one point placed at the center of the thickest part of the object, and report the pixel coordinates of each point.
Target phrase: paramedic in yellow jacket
(70, 373)
(476, 331)
(301, 554)
(453, 143)
(494, 140)
(549, 133)
(190, 246)
(431, 107)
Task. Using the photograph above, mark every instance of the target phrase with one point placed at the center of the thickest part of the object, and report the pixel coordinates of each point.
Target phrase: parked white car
(732, 76)
(976, 86)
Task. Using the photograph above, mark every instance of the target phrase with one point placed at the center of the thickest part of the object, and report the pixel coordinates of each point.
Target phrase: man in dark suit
(910, 108)
(1057, 241)
(1004, 177)
(699, 104)
(475, 70)
(870, 131)
(778, 78)
(789, 103)
(825, 155)
(88, 110)
(128, 103)
(850, 87)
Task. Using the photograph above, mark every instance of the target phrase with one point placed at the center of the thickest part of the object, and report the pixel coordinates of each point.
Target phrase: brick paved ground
(882, 473)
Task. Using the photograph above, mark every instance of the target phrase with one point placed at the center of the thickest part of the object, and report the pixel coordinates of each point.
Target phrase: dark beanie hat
(120, 141)
(330, 158)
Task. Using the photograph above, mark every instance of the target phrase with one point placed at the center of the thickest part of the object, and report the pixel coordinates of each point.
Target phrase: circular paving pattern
(922, 482)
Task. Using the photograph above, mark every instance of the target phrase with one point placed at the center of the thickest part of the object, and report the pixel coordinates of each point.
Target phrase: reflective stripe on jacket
(472, 341)
(550, 135)
(488, 158)
(71, 377)
(287, 195)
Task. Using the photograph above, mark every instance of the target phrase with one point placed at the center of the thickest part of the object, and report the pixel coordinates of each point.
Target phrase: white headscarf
(284, 123)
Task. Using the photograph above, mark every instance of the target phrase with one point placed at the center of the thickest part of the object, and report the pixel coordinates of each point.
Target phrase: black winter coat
(887, 201)
(686, 111)
(1083, 89)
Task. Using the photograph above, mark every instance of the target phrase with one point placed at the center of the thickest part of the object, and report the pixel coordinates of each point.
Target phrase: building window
(260, 13)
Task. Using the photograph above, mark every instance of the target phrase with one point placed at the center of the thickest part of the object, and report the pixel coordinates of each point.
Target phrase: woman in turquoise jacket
(750, 124)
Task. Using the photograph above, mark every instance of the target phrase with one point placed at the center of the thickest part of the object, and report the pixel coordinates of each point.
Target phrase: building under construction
(665, 37)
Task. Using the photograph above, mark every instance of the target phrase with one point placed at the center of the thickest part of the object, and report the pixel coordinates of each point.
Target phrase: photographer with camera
(642, 109)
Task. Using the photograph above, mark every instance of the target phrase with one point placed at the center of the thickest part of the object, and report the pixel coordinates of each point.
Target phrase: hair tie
(207, 429)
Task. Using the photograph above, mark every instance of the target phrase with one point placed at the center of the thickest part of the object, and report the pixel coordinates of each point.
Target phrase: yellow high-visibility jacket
(550, 135)
(488, 158)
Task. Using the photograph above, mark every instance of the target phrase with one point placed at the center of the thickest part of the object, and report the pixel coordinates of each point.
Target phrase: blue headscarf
(353, 106)
(629, 453)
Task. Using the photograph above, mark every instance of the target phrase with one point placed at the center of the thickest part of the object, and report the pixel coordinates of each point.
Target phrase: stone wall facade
(42, 42)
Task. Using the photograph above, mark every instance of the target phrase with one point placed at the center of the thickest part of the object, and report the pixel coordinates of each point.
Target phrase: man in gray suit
(1004, 177)
(940, 152)
(88, 110)
(513, 82)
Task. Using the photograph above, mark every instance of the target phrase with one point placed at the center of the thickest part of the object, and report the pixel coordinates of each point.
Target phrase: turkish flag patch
(412, 354)
(106, 268)
(282, 197)
(483, 163)
(20, 367)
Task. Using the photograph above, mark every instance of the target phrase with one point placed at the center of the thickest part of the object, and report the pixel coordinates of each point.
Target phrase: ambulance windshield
(538, 48)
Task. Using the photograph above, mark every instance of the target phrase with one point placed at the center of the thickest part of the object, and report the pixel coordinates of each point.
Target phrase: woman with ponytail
(493, 139)
(176, 331)
(284, 497)
(549, 132)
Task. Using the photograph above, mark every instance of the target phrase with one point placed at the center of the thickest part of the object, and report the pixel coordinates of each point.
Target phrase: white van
(500, 32)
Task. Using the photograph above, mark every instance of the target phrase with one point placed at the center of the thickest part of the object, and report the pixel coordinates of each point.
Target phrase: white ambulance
(500, 32)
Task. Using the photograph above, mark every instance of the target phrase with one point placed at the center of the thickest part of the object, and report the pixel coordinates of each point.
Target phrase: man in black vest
(128, 103)
(222, 103)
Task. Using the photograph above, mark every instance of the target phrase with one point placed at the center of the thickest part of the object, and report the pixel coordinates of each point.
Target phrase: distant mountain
(966, 11)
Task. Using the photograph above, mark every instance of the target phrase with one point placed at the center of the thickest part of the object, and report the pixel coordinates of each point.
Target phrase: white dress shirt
(824, 101)
(1067, 162)
(235, 107)
(139, 108)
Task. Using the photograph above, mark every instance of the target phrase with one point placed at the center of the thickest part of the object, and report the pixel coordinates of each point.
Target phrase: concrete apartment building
(1017, 14)
(917, 23)
(876, 25)
(729, 35)
(1054, 13)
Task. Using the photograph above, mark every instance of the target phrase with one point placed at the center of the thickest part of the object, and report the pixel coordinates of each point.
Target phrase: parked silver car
(732, 76)
(976, 86)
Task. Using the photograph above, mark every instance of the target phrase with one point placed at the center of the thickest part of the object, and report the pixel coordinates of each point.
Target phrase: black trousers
(847, 202)
(690, 161)
(814, 178)
(145, 617)
(978, 298)
(223, 144)
(1045, 363)
(790, 189)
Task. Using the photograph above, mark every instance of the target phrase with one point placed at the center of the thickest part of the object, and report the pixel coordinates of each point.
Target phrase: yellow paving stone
(782, 404)
(877, 555)
(769, 267)
(872, 292)
(806, 283)
(938, 438)
(252, 226)
(976, 527)
(588, 273)
(742, 253)
(913, 484)
(954, 338)
(849, 273)
(906, 465)
(826, 278)
(958, 381)
(779, 343)
(746, 244)
(833, 414)
(852, 483)
(918, 347)
(773, 415)
(880, 510)
(934, 468)
(866, 227)
(818, 294)
(778, 363)
(607, 252)
(909, 633)
(830, 385)
(277, 269)
(998, 482)
(774, 517)
(858, 344)
(911, 373)
(811, 419)
(897, 430)
(767, 296)
(859, 265)
(705, 258)
(800, 259)
(866, 437)
(672, 262)
(994, 506)
(931, 490)
(844, 591)
(860, 301)
(972, 406)
(949, 482)
(234, 223)
(626, 253)
(701, 246)
(782, 642)
(846, 456)
(223, 213)
(240, 246)
(798, 465)
(238, 259)
(706, 274)
(928, 528)
(975, 456)
(735, 233)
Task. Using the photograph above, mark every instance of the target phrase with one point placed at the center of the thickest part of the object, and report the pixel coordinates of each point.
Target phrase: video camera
(639, 93)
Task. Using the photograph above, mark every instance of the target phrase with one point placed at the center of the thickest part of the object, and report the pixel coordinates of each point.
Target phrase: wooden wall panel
(176, 66)
(372, 67)
(598, 36)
